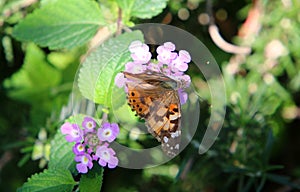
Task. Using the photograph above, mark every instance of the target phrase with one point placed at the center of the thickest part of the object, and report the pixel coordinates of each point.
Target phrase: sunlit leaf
(142, 9)
(97, 74)
(61, 24)
(49, 180)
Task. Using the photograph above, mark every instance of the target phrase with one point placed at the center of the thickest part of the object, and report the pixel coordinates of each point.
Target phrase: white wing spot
(166, 139)
(175, 134)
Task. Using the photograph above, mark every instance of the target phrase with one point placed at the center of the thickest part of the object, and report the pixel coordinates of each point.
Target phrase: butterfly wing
(153, 97)
(164, 122)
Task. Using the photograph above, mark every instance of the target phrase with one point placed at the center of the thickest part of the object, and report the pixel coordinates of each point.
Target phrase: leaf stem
(61, 88)
(104, 117)
(119, 22)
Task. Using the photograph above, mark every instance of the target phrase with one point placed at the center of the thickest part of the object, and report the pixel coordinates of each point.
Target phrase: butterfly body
(154, 97)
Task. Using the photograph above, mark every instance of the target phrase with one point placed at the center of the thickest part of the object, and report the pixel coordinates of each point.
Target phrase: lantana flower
(169, 63)
(89, 124)
(181, 62)
(135, 68)
(106, 156)
(72, 131)
(108, 132)
(139, 52)
(92, 143)
(79, 149)
(85, 162)
(165, 53)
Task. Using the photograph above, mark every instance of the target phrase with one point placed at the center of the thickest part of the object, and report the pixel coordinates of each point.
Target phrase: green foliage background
(44, 42)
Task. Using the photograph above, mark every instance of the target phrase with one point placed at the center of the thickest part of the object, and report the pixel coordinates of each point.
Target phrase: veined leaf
(145, 9)
(49, 180)
(61, 155)
(97, 74)
(92, 181)
(61, 24)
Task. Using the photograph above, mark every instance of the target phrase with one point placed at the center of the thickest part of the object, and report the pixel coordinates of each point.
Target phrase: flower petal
(89, 124)
(102, 162)
(69, 138)
(183, 96)
(66, 128)
(184, 56)
(81, 168)
(120, 80)
(134, 68)
(78, 149)
(113, 162)
(134, 45)
(108, 132)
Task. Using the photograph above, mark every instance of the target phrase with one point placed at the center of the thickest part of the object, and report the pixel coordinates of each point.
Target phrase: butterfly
(154, 97)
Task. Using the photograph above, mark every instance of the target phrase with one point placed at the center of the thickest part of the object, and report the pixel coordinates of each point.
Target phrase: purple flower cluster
(169, 63)
(92, 143)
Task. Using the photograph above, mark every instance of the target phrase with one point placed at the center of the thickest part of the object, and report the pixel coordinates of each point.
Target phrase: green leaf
(35, 79)
(61, 155)
(145, 9)
(49, 180)
(97, 74)
(61, 24)
(77, 119)
(148, 8)
(284, 180)
(92, 181)
(62, 60)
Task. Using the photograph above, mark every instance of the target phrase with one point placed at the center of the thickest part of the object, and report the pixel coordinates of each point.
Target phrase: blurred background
(256, 44)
